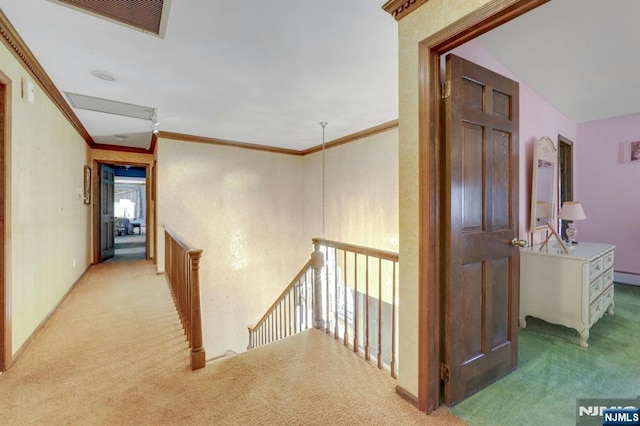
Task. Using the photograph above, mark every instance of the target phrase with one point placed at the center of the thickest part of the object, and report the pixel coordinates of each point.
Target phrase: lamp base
(571, 234)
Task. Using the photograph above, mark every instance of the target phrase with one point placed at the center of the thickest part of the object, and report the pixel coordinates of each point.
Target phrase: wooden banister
(182, 265)
(365, 251)
(348, 291)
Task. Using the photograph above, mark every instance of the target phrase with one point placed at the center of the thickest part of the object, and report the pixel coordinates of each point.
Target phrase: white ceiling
(267, 72)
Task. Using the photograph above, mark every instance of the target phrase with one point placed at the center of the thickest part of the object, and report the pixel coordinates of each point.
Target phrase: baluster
(346, 310)
(325, 287)
(366, 310)
(355, 303)
(380, 313)
(393, 324)
(335, 294)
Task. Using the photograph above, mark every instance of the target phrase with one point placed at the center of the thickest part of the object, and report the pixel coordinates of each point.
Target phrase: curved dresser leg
(523, 322)
(610, 309)
(584, 336)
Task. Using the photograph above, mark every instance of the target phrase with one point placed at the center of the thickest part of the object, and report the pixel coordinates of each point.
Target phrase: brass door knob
(518, 243)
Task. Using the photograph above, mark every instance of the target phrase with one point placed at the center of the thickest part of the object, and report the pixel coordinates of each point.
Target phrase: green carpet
(553, 370)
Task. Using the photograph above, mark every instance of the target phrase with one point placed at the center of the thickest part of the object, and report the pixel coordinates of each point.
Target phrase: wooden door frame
(96, 202)
(6, 347)
(431, 168)
(565, 145)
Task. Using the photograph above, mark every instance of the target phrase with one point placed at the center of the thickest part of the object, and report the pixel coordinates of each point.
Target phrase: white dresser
(573, 289)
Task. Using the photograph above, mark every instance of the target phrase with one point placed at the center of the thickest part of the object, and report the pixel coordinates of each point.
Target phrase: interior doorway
(433, 170)
(565, 177)
(123, 216)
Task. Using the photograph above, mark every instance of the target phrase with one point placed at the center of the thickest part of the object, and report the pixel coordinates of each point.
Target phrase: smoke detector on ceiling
(103, 75)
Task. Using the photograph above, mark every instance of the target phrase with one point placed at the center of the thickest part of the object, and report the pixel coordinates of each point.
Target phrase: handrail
(293, 282)
(348, 291)
(365, 251)
(265, 331)
(182, 264)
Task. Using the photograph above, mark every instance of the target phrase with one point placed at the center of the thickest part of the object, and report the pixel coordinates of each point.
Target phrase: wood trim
(431, 169)
(154, 142)
(223, 142)
(17, 46)
(108, 147)
(407, 396)
(480, 21)
(6, 347)
(331, 144)
(353, 137)
(43, 323)
(365, 251)
(401, 8)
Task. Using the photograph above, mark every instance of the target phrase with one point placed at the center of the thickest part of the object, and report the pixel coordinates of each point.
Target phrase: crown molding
(331, 144)
(401, 8)
(120, 148)
(223, 142)
(17, 46)
(353, 137)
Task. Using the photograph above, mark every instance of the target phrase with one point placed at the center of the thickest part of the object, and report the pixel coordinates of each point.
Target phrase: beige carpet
(114, 353)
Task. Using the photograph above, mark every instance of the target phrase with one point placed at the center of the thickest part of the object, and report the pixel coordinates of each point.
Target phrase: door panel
(481, 205)
(107, 207)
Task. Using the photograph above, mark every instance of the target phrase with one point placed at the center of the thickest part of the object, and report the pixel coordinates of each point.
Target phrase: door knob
(518, 243)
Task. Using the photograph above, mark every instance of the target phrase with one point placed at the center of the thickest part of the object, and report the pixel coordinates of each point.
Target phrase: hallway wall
(254, 214)
(244, 209)
(47, 245)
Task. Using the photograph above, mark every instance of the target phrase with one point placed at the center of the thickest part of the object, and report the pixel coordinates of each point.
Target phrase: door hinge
(444, 372)
(446, 89)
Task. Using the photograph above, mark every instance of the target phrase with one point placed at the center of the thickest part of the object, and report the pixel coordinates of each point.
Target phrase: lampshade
(572, 210)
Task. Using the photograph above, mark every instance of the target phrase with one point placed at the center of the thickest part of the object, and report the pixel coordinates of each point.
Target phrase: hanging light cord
(323, 124)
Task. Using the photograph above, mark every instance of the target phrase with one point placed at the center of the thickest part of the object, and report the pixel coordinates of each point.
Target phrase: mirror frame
(544, 152)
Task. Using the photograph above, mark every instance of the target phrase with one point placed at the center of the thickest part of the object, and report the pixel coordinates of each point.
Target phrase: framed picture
(86, 194)
(629, 152)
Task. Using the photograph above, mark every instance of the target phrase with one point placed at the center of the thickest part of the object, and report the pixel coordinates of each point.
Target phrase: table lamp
(572, 211)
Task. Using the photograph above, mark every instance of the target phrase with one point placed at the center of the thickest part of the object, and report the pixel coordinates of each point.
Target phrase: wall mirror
(544, 185)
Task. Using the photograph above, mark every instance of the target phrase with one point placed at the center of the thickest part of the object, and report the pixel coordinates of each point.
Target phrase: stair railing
(291, 313)
(182, 264)
(348, 291)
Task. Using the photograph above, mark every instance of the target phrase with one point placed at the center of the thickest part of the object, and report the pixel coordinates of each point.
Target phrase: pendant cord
(323, 124)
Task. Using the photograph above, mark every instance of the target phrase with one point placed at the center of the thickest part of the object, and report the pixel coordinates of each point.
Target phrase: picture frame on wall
(629, 152)
(86, 192)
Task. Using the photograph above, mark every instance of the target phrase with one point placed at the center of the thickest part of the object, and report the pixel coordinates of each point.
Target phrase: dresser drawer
(596, 310)
(607, 297)
(607, 260)
(595, 267)
(595, 288)
(607, 278)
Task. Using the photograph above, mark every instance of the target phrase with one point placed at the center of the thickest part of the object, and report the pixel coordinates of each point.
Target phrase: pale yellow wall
(361, 192)
(415, 27)
(139, 160)
(254, 215)
(244, 208)
(48, 223)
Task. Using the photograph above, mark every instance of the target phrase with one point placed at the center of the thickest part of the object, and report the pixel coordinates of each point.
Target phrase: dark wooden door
(481, 208)
(107, 208)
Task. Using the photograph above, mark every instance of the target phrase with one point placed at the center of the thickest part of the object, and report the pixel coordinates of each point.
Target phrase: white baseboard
(626, 278)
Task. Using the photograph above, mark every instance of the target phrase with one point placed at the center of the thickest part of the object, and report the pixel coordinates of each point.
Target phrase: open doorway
(123, 212)
(130, 213)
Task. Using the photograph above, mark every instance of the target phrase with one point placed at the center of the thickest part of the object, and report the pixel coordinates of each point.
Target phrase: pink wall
(609, 191)
(537, 119)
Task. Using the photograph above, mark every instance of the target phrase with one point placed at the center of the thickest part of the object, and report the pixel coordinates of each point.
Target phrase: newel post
(317, 258)
(198, 357)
